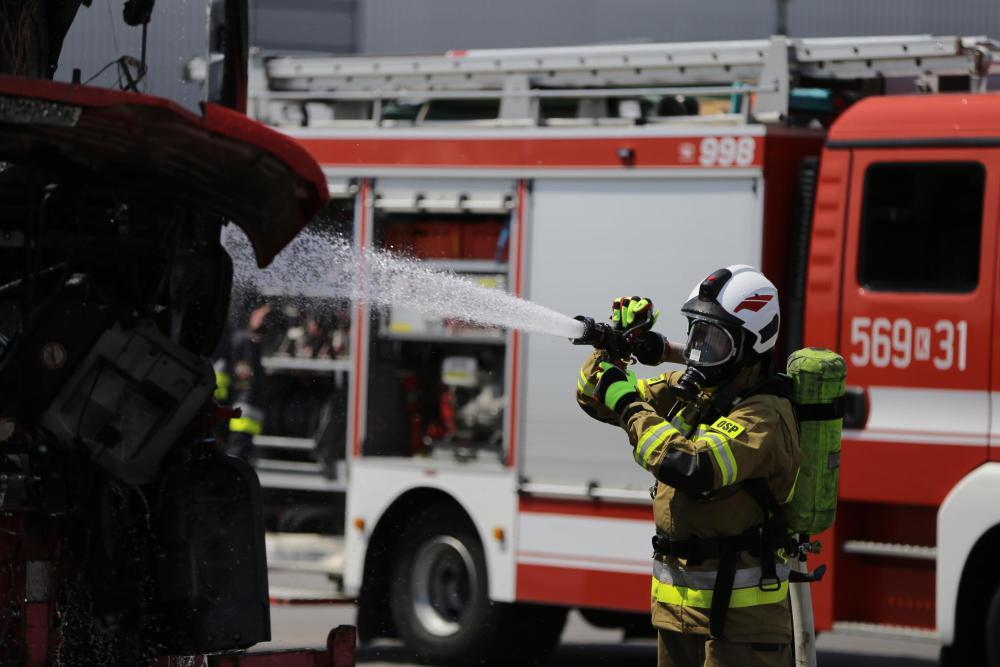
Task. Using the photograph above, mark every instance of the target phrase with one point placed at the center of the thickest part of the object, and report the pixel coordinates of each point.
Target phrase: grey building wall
(304, 25)
(400, 26)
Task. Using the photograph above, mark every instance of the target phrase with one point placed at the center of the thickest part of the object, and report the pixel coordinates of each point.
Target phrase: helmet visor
(708, 344)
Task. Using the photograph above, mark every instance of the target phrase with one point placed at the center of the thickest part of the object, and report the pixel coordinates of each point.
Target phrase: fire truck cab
(902, 280)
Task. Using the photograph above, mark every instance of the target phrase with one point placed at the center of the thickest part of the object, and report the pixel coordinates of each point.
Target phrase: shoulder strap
(772, 531)
(778, 384)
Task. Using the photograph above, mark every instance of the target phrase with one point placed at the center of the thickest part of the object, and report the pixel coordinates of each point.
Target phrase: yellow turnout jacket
(699, 468)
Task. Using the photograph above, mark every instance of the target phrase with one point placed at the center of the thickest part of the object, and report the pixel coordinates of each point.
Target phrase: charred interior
(125, 532)
(111, 299)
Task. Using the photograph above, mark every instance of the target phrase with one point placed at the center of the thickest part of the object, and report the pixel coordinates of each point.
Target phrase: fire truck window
(921, 227)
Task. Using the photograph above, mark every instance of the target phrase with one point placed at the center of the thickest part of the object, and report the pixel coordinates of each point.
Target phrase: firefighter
(720, 439)
(239, 379)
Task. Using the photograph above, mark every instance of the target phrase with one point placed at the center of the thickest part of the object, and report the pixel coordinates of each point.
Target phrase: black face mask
(712, 355)
(695, 379)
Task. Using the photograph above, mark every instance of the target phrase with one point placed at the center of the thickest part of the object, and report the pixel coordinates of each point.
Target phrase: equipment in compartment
(470, 407)
(306, 400)
(449, 371)
(482, 237)
(471, 402)
(448, 395)
(318, 330)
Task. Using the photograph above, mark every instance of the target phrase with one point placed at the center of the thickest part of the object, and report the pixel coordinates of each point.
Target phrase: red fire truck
(860, 174)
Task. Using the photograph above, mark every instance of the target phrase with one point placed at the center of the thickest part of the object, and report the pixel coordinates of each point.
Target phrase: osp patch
(727, 427)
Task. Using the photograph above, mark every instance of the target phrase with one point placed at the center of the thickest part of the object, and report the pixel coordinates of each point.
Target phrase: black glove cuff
(625, 401)
(608, 378)
(649, 348)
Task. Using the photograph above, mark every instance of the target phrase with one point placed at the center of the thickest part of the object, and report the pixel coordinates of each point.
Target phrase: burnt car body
(125, 533)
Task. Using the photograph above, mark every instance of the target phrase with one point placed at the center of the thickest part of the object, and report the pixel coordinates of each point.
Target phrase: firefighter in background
(239, 378)
(720, 438)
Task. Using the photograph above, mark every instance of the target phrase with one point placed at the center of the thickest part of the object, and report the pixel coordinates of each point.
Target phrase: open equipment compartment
(445, 376)
(307, 358)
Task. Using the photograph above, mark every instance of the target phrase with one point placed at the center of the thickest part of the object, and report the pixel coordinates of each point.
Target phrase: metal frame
(520, 78)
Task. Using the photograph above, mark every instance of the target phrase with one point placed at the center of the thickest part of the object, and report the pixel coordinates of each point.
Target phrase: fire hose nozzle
(593, 332)
(603, 337)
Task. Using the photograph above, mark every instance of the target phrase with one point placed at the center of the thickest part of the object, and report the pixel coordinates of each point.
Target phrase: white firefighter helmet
(730, 313)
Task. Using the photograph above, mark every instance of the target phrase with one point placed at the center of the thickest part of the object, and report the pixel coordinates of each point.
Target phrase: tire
(439, 595)
(977, 628)
(967, 650)
(993, 631)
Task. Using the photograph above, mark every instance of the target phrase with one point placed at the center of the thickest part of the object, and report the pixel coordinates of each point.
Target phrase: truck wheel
(993, 631)
(439, 594)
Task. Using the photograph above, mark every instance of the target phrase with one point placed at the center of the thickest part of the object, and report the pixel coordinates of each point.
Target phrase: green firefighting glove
(616, 388)
(633, 315)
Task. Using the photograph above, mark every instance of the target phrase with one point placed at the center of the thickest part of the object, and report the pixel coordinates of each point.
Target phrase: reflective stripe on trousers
(222, 382)
(251, 421)
(245, 425)
(694, 589)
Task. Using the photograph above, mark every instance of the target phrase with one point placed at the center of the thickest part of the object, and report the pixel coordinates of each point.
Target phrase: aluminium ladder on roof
(520, 77)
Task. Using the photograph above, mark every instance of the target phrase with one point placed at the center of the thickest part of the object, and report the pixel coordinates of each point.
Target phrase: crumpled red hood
(262, 180)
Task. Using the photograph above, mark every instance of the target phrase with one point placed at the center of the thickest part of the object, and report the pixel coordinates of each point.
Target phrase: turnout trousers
(678, 649)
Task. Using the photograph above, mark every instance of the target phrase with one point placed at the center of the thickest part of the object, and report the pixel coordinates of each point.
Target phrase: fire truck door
(916, 325)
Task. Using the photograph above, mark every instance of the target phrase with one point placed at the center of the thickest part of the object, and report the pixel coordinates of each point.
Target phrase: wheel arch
(374, 594)
(968, 538)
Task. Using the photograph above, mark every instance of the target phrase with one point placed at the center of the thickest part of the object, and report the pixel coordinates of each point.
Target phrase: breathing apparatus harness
(763, 541)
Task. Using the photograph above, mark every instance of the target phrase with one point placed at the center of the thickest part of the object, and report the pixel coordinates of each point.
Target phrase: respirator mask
(711, 353)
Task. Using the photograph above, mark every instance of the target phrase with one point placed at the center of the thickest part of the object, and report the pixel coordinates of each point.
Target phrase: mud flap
(212, 576)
